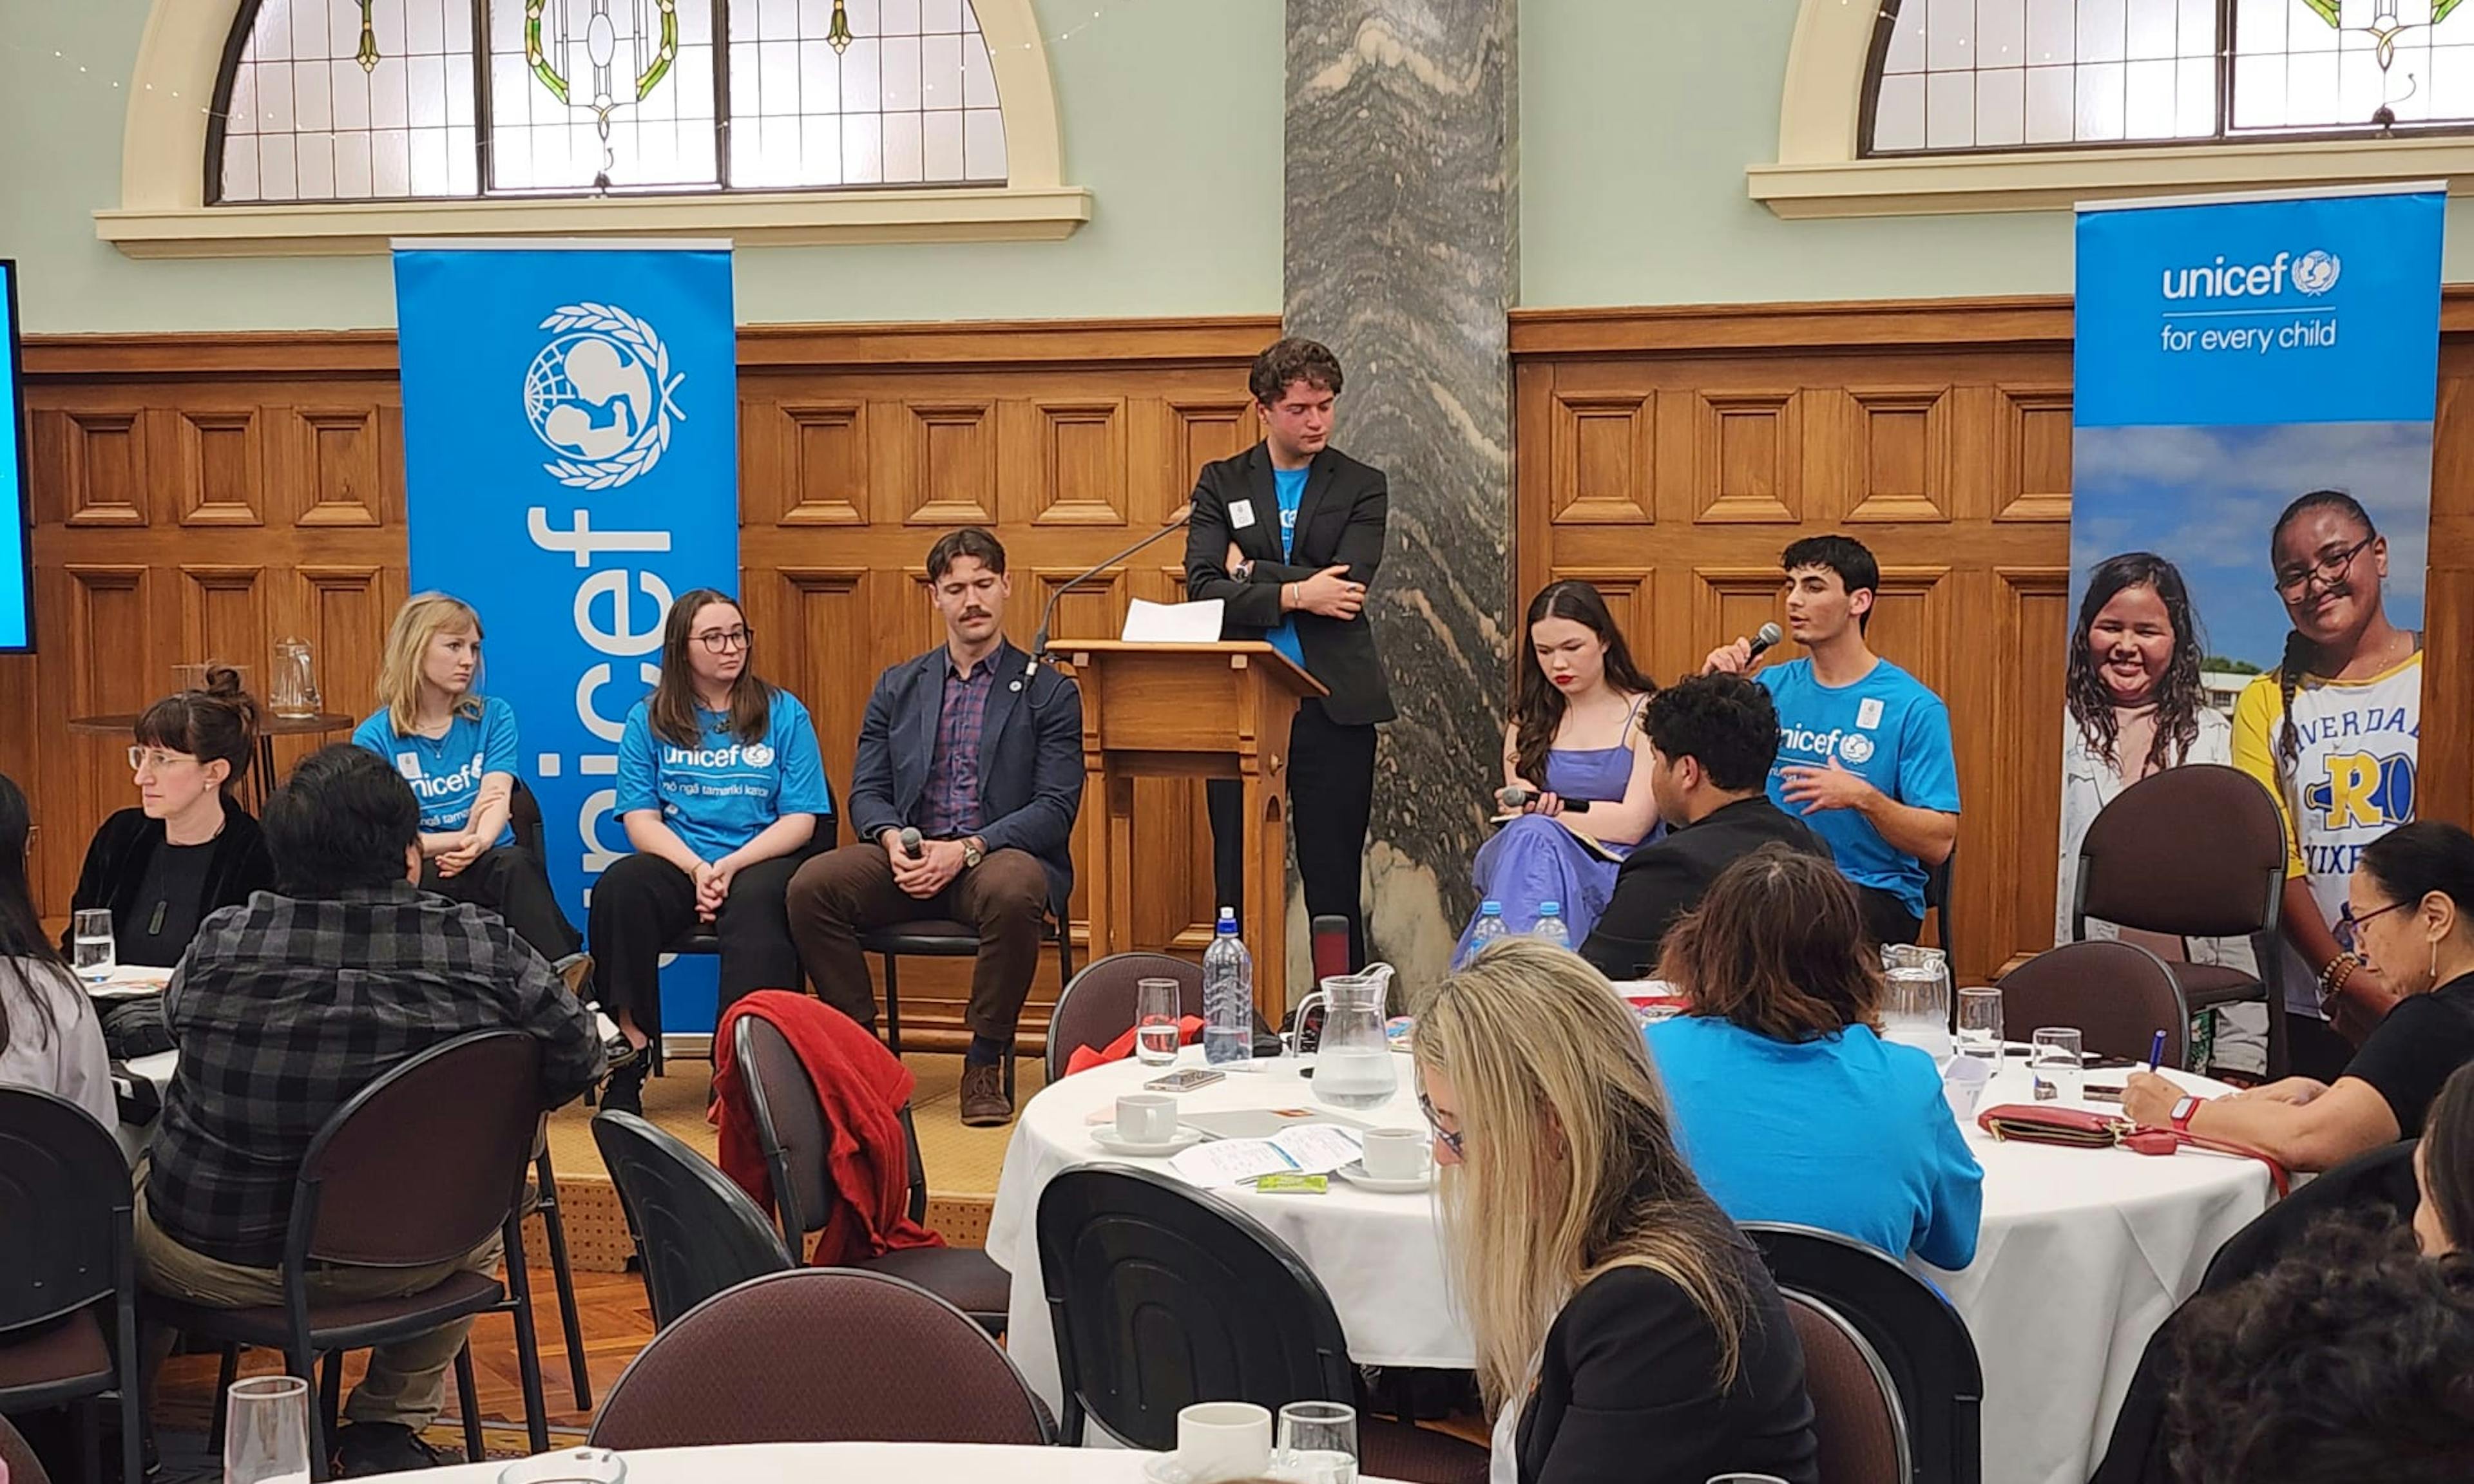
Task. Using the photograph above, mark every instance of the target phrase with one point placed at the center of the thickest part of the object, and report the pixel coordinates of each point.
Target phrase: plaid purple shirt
(285, 1006)
(949, 808)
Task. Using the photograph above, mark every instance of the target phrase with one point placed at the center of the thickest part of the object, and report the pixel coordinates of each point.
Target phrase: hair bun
(224, 685)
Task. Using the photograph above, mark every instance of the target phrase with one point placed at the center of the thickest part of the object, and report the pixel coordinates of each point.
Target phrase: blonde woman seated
(1787, 1104)
(1625, 1329)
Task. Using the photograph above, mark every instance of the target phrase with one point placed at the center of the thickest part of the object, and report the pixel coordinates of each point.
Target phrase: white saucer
(1354, 1172)
(1107, 1136)
(1164, 1469)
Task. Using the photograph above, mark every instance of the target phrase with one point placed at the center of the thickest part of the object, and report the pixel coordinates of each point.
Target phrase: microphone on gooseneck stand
(910, 842)
(1770, 635)
(1039, 640)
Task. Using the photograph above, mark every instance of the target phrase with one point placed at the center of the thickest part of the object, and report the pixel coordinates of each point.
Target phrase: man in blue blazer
(979, 751)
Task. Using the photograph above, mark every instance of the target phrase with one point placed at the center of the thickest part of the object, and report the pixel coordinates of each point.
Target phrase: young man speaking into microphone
(1287, 536)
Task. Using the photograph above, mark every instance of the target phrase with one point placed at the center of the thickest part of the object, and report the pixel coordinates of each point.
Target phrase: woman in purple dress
(1574, 746)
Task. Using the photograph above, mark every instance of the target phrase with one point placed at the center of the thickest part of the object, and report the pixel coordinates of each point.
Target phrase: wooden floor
(617, 1324)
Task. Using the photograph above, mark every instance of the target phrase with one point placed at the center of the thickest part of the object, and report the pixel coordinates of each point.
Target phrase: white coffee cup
(1147, 1117)
(1395, 1154)
(1219, 1441)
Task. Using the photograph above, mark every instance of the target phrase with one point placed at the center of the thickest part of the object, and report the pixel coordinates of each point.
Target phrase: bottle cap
(1548, 909)
(1492, 909)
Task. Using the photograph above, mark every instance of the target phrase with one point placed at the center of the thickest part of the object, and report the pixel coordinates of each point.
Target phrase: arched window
(377, 100)
(1987, 75)
(1901, 107)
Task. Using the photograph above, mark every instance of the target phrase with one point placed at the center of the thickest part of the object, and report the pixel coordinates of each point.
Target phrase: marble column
(1403, 254)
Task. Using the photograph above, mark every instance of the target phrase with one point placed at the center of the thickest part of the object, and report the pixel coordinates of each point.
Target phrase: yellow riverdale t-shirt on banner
(2350, 782)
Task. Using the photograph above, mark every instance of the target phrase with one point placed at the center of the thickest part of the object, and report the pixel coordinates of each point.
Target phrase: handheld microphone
(1514, 797)
(1039, 640)
(1770, 635)
(910, 842)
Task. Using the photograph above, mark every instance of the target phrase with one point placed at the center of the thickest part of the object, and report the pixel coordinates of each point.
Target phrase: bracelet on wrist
(2335, 975)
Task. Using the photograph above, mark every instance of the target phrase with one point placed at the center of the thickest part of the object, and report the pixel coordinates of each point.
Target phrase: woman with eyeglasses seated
(1788, 1103)
(188, 848)
(2409, 914)
(49, 1038)
(1625, 1329)
(720, 789)
(457, 750)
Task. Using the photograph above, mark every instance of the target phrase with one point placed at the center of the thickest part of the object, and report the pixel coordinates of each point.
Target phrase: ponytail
(2298, 653)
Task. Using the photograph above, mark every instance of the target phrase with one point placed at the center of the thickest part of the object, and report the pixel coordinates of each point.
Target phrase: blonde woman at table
(1625, 1329)
(2410, 910)
(49, 1039)
(1787, 1102)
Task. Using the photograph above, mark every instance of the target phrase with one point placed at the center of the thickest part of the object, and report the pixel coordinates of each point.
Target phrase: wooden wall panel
(1939, 434)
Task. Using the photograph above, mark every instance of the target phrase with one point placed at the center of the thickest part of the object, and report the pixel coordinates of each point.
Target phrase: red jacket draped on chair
(862, 1087)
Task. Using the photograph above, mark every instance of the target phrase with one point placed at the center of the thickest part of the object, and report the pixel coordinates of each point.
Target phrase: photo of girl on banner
(2267, 594)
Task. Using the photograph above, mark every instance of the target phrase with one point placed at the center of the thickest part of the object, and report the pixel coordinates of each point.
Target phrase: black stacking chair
(68, 1269)
(697, 1233)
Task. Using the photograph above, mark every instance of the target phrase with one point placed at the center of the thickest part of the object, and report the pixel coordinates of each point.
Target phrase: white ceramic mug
(1395, 1154)
(1147, 1117)
(1220, 1441)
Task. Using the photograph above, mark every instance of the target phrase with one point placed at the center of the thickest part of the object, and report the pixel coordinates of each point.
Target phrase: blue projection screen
(17, 563)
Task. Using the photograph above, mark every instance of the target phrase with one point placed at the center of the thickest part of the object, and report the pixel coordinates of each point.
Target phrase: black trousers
(510, 883)
(642, 902)
(1331, 798)
(1886, 917)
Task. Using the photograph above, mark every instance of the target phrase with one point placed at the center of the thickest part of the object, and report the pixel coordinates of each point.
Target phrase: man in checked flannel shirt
(289, 1004)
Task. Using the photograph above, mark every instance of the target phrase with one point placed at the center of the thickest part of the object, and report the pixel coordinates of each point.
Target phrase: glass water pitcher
(292, 688)
(1353, 1061)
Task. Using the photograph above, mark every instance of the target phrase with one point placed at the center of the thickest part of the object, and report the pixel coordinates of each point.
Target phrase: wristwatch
(972, 854)
(2182, 1111)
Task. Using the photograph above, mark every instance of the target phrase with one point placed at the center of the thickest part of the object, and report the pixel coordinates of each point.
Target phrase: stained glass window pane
(378, 99)
(330, 99)
(863, 92)
(2104, 72)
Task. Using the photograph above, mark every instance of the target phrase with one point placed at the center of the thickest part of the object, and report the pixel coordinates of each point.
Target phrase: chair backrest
(421, 1165)
(697, 1233)
(1855, 1409)
(820, 1355)
(1919, 1339)
(64, 1187)
(2119, 995)
(524, 818)
(2196, 850)
(1098, 1006)
(1161, 1296)
(791, 1125)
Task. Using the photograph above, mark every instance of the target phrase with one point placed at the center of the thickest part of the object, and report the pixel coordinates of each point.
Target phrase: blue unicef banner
(571, 461)
(2255, 382)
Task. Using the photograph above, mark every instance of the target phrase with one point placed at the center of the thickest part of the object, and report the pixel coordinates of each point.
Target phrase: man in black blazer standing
(1712, 741)
(980, 753)
(1288, 534)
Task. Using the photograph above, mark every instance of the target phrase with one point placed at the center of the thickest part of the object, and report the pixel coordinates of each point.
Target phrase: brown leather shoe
(985, 1104)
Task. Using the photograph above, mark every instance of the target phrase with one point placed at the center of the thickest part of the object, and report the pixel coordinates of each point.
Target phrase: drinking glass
(1980, 1025)
(90, 947)
(266, 1431)
(1155, 1007)
(2053, 1057)
(1317, 1444)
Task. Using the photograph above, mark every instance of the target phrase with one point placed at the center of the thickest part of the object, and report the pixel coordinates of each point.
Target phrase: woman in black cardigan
(1625, 1329)
(188, 849)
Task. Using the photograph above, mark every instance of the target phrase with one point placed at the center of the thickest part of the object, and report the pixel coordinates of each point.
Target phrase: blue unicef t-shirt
(1292, 485)
(446, 773)
(1886, 727)
(720, 794)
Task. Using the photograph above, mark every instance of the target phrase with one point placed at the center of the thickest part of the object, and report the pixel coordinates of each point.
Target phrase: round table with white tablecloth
(2082, 1254)
(804, 1462)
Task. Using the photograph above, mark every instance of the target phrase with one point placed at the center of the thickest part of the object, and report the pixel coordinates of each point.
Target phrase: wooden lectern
(1191, 711)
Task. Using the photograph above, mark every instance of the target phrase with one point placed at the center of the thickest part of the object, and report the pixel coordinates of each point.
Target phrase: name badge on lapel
(1241, 513)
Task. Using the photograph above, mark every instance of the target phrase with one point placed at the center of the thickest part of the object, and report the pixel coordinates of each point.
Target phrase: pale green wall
(1171, 114)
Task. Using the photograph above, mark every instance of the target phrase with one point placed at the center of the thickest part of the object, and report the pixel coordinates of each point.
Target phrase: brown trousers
(841, 893)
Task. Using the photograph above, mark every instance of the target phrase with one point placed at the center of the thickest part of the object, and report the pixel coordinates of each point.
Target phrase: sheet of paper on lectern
(1172, 623)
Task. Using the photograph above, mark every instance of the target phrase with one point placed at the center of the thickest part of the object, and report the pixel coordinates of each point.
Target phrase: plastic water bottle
(1227, 994)
(1550, 926)
(1489, 926)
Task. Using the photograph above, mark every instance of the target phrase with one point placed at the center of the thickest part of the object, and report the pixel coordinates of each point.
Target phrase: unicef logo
(2317, 272)
(759, 755)
(599, 395)
(1857, 748)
